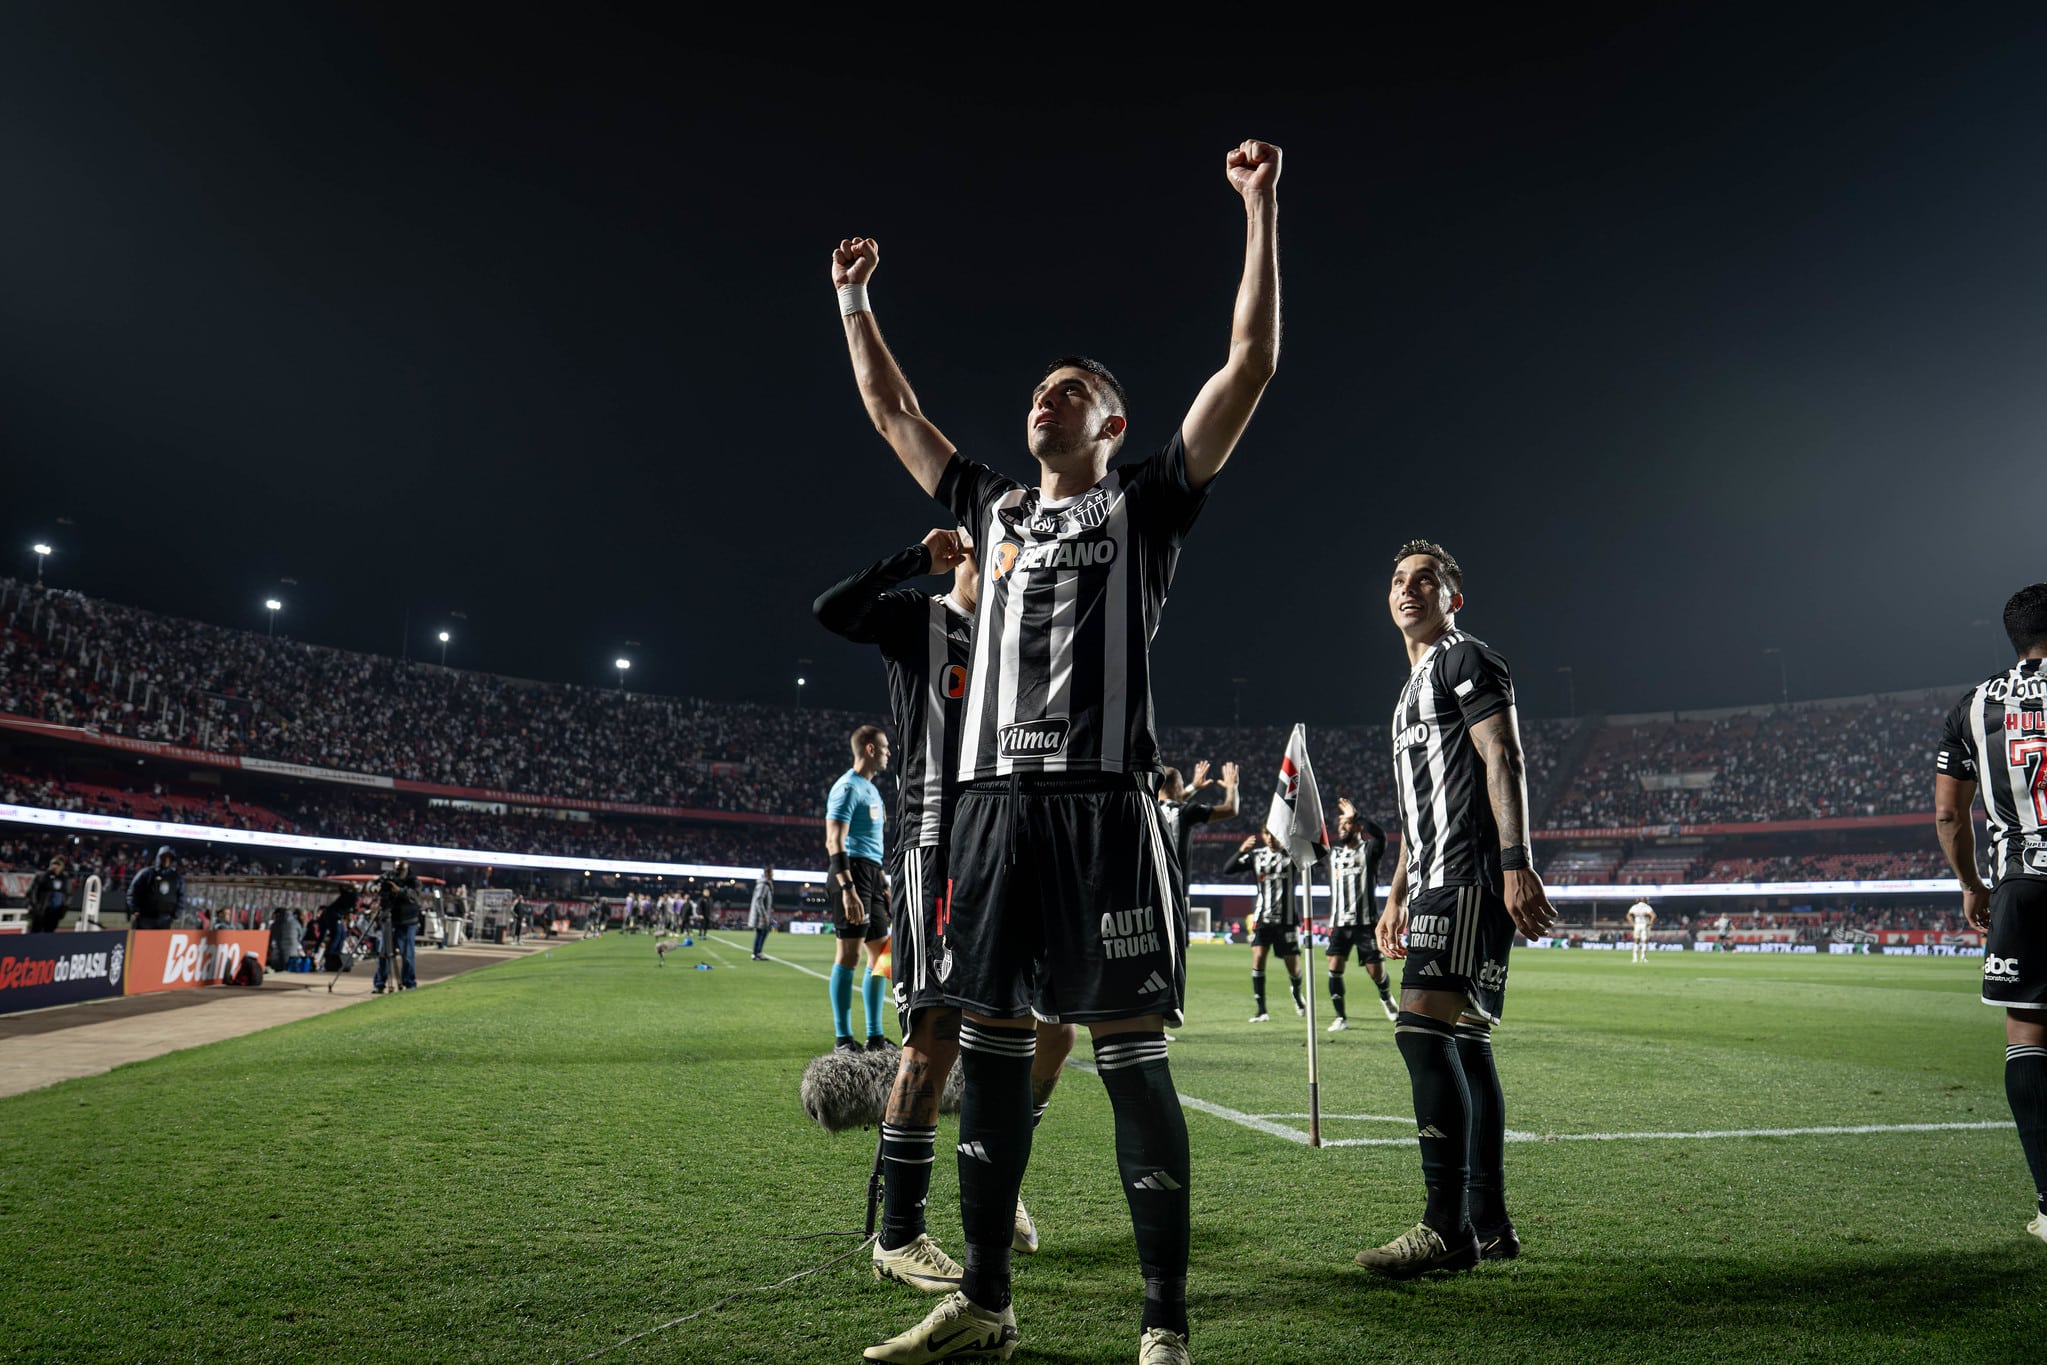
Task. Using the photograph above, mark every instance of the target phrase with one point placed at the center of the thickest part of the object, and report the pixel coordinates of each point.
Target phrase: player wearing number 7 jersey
(1996, 740)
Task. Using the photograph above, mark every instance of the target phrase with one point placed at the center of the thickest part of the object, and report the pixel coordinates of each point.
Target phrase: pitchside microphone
(843, 1090)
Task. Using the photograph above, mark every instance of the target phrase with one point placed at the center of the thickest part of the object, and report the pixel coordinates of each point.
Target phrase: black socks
(2025, 1086)
(1442, 1115)
(1487, 1183)
(1336, 993)
(1258, 990)
(1151, 1157)
(994, 1149)
(906, 1156)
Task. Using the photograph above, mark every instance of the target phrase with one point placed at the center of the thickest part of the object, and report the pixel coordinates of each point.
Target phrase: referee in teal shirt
(852, 842)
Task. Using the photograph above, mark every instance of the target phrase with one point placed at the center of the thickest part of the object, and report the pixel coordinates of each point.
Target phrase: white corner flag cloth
(1295, 818)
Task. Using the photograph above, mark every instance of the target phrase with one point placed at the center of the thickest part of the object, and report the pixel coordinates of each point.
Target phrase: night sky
(1692, 335)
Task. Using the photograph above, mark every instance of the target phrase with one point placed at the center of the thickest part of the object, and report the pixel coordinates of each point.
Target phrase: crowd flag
(1295, 820)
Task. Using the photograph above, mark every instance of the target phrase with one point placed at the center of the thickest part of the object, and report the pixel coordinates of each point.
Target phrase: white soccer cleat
(1160, 1347)
(1418, 1251)
(2038, 1227)
(1300, 1010)
(1392, 1010)
(1025, 1237)
(1259, 1018)
(919, 1264)
(1338, 1024)
(955, 1330)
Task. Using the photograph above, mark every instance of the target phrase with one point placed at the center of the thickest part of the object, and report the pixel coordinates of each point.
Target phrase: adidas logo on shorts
(1152, 983)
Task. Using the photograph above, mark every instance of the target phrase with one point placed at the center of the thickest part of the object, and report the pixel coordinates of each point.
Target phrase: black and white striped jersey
(925, 643)
(1179, 818)
(1354, 880)
(1996, 737)
(1071, 592)
(1275, 903)
(1446, 820)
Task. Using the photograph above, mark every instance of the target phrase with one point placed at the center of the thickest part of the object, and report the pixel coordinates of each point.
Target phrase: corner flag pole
(1308, 994)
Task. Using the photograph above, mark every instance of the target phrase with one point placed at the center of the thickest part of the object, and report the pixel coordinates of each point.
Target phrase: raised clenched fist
(945, 549)
(1253, 168)
(854, 261)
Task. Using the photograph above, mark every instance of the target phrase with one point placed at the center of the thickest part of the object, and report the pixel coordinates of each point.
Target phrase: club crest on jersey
(1033, 738)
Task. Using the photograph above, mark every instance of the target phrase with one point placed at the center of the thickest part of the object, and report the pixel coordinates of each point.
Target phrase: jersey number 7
(2031, 755)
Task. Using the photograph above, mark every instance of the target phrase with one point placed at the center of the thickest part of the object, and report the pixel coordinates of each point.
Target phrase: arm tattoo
(1505, 776)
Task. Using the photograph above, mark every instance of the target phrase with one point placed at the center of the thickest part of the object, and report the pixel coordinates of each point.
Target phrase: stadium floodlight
(621, 664)
(42, 552)
(273, 606)
(444, 637)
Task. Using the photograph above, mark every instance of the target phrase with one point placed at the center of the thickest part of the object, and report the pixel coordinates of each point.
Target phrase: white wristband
(853, 299)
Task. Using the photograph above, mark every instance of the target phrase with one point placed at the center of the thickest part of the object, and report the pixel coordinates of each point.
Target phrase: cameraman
(399, 907)
(157, 895)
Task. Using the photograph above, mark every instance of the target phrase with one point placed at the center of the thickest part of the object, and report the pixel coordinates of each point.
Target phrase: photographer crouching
(399, 915)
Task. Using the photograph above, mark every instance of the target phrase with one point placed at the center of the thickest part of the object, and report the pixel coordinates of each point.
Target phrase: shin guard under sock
(1487, 1183)
(906, 1157)
(1294, 985)
(1258, 990)
(1152, 1159)
(840, 989)
(1442, 1116)
(994, 1149)
(870, 1002)
(2025, 1086)
(1336, 993)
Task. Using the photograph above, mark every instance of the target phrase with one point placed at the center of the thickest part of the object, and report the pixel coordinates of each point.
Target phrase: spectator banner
(134, 746)
(14, 885)
(60, 969)
(271, 765)
(179, 959)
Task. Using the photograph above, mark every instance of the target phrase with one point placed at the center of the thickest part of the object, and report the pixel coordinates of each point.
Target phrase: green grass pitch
(537, 1160)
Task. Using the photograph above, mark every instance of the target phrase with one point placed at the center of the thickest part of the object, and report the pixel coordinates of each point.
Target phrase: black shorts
(873, 889)
(1358, 936)
(1065, 904)
(2015, 950)
(1285, 937)
(919, 897)
(1457, 940)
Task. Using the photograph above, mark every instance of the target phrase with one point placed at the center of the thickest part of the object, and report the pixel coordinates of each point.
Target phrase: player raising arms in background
(1354, 907)
(1064, 898)
(1996, 739)
(1275, 916)
(1464, 885)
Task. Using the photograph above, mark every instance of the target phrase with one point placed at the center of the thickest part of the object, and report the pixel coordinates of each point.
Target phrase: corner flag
(1295, 818)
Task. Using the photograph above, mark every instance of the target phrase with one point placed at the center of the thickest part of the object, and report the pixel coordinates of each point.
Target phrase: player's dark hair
(1453, 572)
(1099, 371)
(2025, 618)
(862, 737)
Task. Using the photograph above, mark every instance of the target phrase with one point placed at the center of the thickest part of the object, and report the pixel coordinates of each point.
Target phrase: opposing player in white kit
(1641, 916)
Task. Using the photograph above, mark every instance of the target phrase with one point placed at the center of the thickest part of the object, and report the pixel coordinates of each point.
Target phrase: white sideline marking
(710, 942)
(1264, 1123)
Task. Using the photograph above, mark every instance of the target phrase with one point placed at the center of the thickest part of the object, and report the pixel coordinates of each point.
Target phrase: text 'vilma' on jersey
(1071, 592)
(925, 643)
(1996, 736)
(1275, 903)
(1446, 818)
(1353, 880)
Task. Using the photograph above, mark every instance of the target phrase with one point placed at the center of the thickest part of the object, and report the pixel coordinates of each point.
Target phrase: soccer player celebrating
(1641, 915)
(1063, 893)
(1464, 885)
(925, 642)
(1354, 907)
(852, 845)
(1997, 737)
(1179, 812)
(1277, 919)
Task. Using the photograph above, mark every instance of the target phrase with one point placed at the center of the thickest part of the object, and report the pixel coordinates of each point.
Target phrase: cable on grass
(738, 1294)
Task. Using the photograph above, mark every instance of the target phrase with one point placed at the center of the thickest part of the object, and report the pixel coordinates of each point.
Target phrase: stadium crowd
(1798, 763)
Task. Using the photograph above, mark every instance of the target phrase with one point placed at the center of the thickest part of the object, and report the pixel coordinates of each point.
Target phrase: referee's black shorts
(1065, 903)
(873, 889)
